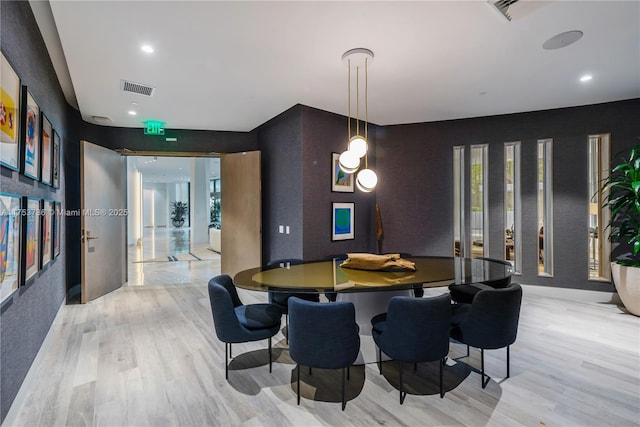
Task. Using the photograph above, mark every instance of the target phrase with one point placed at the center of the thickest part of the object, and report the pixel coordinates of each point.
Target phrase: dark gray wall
(280, 141)
(323, 134)
(415, 189)
(27, 315)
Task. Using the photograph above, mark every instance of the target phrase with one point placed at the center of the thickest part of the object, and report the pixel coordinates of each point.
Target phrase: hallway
(165, 258)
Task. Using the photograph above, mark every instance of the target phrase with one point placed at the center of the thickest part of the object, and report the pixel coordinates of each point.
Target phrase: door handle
(88, 237)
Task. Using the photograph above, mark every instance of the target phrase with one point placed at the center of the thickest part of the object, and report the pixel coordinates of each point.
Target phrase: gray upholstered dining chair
(323, 336)
(235, 322)
(414, 330)
(489, 322)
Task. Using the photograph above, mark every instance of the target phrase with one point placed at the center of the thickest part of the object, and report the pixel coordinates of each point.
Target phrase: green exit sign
(153, 127)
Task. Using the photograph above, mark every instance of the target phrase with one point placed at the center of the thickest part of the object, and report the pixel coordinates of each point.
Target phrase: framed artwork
(31, 238)
(46, 142)
(31, 135)
(340, 181)
(55, 168)
(343, 221)
(57, 230)
(9, 116)
(46, 227)
(10, 243)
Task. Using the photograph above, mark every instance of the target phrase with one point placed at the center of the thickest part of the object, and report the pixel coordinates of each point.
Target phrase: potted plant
(623, 198)
(178, 211)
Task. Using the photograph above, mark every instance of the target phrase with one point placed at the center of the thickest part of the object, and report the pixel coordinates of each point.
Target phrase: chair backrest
(493, 318)
(500, 283)
(277, 263)
(225, 320)
(226, 281)
(417, 329)
(323, 335)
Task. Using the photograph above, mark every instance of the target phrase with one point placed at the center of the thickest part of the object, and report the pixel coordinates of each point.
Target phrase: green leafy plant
(623, 186)
(214, 212)
(178, 211)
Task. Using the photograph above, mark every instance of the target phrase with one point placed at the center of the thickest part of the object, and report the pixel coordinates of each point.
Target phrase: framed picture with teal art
(343, 223)
(340, 181)
(31, 238)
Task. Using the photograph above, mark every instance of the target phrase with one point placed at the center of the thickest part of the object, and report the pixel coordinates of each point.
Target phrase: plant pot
(177, 223)
(627, 281)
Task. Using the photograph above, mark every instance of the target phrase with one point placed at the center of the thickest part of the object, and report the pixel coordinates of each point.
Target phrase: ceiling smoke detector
(139, 88)
(562, 40)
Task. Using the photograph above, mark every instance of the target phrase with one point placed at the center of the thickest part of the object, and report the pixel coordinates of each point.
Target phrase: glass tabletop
(328, 276)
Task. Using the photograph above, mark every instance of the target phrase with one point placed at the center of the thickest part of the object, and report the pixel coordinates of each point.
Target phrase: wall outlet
(281, 229)
(287, 229)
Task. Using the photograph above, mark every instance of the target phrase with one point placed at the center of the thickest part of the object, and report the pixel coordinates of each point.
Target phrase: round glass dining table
(328, 276)
(370, 291)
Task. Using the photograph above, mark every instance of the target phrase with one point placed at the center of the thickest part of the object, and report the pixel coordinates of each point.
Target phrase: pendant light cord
(366, 110)
(357, 100)
(349, 101)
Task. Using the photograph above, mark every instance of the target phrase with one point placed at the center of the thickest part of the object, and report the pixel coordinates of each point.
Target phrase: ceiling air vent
(502, 6)
(139, 88)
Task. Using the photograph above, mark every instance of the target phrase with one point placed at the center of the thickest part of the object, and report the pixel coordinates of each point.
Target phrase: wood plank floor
(148, 356)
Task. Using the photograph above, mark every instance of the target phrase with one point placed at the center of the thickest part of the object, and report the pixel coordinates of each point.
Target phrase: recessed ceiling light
(562, 40)
(586, 78)
(132, 113)
(147, 48)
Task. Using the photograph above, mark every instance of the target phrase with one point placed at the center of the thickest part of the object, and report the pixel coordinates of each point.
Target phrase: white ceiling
(159, 169)
(234, 65)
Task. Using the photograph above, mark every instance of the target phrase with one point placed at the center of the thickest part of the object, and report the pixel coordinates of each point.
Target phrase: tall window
(512, 221)
(599, 246)
(479, 200)
(545, 207)
(458, 202)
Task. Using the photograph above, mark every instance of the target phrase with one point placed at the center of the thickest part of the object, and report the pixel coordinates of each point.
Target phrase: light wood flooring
(148, 356)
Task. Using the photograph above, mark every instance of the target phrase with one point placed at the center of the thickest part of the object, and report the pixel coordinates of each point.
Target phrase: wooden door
(241, 212)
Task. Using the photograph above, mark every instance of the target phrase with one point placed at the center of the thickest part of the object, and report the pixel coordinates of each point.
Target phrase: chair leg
(508, 364)
(348, 373)
(310, 371)
(269, 354)
(484, 383)
(467, 350)
(298, 381)
(441, 388)
(402, 396)
(230, 356)
(286, 322)
(380, 361)
(344, 404)
(415, 366)
(226, 361)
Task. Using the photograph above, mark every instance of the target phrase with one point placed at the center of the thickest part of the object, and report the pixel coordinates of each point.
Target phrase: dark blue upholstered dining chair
(235, 322)
(489, 322)
(414, 330)
(281, 299)
(465, 293)
(323, 336)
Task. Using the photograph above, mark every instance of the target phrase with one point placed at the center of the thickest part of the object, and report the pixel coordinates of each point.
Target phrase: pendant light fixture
(357, 147)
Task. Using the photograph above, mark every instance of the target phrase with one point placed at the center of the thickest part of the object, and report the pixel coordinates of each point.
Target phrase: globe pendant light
(357, 147)
(349, 161)
(366, 180)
